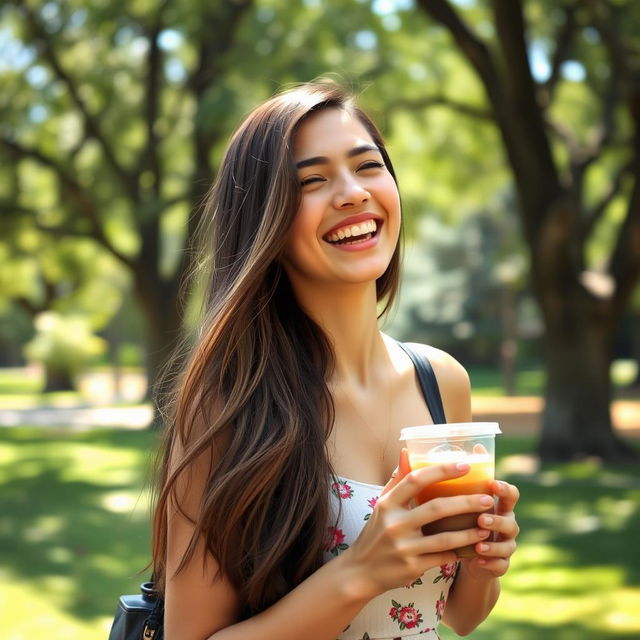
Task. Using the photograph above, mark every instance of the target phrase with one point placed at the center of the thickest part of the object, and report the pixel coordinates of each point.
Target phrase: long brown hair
(254, 389)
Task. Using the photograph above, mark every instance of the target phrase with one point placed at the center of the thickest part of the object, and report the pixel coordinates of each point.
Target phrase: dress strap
(428, 382)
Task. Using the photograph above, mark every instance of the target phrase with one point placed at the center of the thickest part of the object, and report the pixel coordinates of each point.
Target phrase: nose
(350, 193)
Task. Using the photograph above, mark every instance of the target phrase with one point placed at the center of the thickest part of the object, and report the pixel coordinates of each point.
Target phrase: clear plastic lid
(452, 430)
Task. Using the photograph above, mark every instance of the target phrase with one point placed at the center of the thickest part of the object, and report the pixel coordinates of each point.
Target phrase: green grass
(73, 529)
(576, 574)
(488, 382)
(74, 532)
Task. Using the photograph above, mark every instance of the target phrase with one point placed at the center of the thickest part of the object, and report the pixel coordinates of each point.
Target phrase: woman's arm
(477, 586)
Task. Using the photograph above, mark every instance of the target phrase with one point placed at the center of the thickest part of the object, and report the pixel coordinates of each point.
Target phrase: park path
(516, 415)
(522, 414)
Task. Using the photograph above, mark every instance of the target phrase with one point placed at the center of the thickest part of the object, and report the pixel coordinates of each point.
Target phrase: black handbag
(139, 617)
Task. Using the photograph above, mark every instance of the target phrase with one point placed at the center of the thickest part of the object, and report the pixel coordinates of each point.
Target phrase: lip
(355, 219)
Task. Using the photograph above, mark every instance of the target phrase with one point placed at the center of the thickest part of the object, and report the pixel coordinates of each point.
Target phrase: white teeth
(369, 226)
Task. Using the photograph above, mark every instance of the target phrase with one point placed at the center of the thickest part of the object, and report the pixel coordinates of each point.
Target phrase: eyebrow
(356, 151)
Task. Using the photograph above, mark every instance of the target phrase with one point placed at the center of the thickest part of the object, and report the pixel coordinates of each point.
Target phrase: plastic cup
(470, 442)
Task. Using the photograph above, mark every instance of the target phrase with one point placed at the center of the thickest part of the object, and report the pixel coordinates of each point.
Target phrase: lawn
(74, 533)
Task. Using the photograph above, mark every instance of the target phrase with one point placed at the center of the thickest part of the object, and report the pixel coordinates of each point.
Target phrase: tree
(127, 106)
(552, 160)
(103, 98)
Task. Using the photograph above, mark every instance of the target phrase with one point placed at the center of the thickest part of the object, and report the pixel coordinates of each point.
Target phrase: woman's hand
(494, 554)
(391, 550)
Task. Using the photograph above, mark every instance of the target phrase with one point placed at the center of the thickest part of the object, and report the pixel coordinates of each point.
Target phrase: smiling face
(347, 226)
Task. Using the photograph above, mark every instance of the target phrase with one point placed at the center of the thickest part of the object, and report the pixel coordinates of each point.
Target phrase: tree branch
(564, 134)
(92, 126)
(525, 134)
(624, 265)
(512, 95)
(85, 203)
(437, 101)
(625, 260)
(473, 48)
(149, 157)
(209, 69)
(564, 40)
(596, 212)
(521, 88)
(606, 130)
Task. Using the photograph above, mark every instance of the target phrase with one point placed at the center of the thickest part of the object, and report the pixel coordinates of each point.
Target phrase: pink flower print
(372, 503)
(334, 542)
(447, 572)
(342, 490)
(407, 616)
(440, 604)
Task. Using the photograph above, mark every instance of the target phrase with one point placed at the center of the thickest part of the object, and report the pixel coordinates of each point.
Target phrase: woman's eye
(310, 180)
(371, 164)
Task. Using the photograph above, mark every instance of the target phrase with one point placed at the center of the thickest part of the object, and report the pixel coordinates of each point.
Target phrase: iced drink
(472, 443)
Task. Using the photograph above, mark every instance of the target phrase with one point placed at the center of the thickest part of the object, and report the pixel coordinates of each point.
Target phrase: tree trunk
(576, 418)
(509, 343)
(635, 346)
(58, 379)
(163, 327)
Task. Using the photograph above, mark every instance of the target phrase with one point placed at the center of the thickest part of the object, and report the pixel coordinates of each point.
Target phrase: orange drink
(472, 443)
(476, 481)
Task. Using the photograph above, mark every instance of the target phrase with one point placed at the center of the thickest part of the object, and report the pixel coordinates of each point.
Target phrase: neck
(348, 315)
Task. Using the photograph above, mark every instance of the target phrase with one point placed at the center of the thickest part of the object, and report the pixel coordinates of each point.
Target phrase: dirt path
(517, 415)
(522, 414)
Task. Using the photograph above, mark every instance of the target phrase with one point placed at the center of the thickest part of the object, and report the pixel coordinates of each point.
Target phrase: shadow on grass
(592, 521)
(63, 523)
(69, 517)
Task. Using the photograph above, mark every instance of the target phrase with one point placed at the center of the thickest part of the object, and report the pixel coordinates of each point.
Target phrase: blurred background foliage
(113, 118)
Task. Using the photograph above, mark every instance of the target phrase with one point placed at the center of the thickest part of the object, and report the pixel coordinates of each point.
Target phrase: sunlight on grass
(74, 534)
(27, 614)
(595, 596)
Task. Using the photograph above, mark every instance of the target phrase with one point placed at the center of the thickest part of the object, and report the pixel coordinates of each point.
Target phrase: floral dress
(407, 612)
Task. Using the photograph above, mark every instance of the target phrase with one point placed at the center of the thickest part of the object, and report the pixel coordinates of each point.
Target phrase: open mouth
(354, 234)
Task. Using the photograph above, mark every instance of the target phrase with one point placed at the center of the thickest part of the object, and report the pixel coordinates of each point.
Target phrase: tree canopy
(113, 117)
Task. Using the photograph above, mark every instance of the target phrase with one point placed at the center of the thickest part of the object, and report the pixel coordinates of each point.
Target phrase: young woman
(282, 514)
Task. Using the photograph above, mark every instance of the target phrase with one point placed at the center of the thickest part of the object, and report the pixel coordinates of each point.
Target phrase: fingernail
(488, 520)
(483, 547)
(486, 500)
(483, 533)
(462, 466)
(501, 486)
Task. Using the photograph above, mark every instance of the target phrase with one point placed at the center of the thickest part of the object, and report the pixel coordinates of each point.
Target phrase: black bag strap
(428, 382)
(155, 620)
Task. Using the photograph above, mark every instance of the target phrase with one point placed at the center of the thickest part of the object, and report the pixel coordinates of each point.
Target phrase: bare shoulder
(453, 381)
